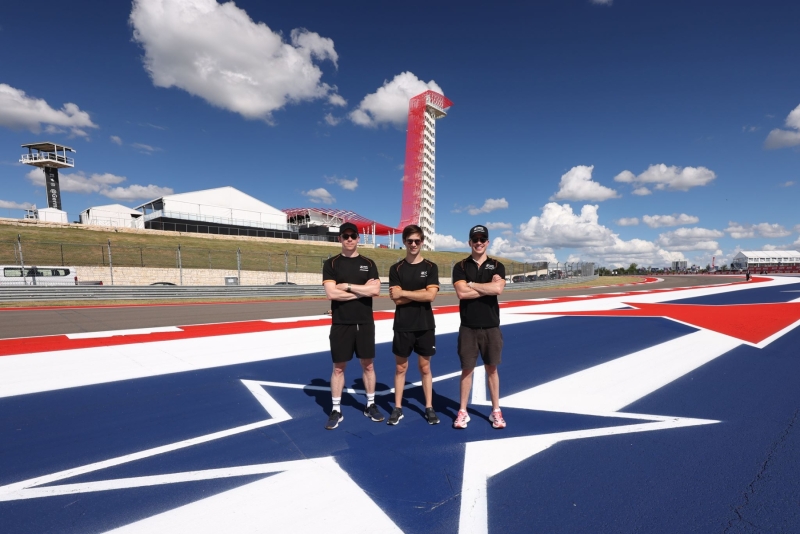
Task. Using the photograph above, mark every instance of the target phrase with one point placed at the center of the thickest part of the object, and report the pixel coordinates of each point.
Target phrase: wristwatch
(348, 288)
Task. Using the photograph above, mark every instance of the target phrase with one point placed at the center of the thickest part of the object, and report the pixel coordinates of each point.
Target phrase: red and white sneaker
(497, 419)
(461, 420)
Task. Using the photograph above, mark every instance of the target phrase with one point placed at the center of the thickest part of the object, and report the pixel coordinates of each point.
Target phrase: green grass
(80, 247)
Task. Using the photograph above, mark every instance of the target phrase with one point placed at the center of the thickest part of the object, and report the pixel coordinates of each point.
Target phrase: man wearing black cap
(350, 282)
(478, 279)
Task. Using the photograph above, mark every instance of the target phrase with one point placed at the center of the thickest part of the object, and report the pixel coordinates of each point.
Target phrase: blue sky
(612, 131)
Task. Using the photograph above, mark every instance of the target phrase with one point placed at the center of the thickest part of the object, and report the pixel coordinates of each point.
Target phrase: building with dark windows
(223, 211)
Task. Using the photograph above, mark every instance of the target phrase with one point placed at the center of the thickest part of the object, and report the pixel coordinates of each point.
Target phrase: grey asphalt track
(48, 321)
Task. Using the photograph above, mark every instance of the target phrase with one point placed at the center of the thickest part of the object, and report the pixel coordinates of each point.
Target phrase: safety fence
(232, 261)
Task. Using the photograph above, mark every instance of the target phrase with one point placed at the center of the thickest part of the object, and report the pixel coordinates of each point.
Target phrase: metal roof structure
(337, 217)
(774, 254)
(47, 146)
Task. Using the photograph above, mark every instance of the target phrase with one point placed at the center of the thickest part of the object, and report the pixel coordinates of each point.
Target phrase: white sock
(337, 401)
(370, 399)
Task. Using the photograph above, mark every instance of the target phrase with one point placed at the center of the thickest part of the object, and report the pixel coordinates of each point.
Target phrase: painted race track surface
(642, 411)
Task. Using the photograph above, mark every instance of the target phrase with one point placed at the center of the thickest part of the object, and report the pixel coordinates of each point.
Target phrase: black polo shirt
(482, 312)
(356, 271)
(414, 316)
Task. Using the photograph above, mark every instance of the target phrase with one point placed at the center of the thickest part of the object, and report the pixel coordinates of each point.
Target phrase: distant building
(767, 261)
(111, 215)
(322, 224)
(680, 265)
(223, 210)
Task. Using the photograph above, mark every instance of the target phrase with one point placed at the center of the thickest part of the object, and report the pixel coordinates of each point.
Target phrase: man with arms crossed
(350, 282)
(413, 284)
(478, 279)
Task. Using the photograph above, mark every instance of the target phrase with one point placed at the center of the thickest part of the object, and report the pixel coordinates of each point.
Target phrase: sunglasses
(413, 241)
(480, 239)
(345, 237)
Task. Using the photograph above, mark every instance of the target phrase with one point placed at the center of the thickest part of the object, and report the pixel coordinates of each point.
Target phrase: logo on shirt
(423, 274)
(364, 267)
(490, 267)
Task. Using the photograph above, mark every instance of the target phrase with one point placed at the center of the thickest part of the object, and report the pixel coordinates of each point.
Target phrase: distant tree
(632, 268)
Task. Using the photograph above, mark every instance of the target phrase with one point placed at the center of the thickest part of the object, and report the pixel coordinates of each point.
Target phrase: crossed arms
(339, 292)
(402, 296)
(472, 290)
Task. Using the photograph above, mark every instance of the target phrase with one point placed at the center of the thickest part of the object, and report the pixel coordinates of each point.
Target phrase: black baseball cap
(348, 227)
(478, 230)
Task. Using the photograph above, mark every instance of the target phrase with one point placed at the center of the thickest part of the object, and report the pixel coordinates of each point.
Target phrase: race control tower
(419, 180)
(50, 157)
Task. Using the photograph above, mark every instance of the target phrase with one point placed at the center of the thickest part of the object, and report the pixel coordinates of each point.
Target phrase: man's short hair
(412, 229)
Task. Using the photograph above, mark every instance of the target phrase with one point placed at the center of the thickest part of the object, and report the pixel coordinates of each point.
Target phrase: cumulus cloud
(498, 226)
(489, 205)
(668, 178)
(319, 196)
(641, 191)
(330, 120)
(117, 140)
(778, 138)
(559, 227)
(217, 52)
(520, 252)
(684, 239)
(448, 242)
(10, 204)
(79, 182)
(628, 221)
(389, 104)
(344, 183)
(743, 231)
(136, 192)
(20, 111)
(577, 184)
(145, 149)
(660, 221)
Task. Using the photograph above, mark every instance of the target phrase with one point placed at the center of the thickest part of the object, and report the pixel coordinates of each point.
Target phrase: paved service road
(49, 321)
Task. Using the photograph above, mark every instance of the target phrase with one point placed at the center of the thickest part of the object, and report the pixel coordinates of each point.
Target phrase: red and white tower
(419, 180)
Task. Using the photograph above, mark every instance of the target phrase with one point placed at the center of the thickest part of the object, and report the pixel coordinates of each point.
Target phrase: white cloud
(136, 192)
(344, 183)
(117, 140)
(516, 251)
(217, 52)
(660, 221)
(145, 149)
(669, 178)
(331, 120)
(778, 247)
(790, 183)
(577, 184)
(498, 226)
(79, 182)
(743, 231)
(778, 138)
(389, 104)
(319, 196)
(9, 204)
(337, 100)
(20, 111)
(684, 239)
(448, 242)
(628, 221)
(641, 191)
(559, 227)
(489, 205)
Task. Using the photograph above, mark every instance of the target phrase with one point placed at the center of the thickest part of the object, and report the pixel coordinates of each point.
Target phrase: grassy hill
(76, 246)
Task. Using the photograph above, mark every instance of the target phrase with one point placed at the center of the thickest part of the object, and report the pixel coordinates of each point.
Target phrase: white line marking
(130, 332)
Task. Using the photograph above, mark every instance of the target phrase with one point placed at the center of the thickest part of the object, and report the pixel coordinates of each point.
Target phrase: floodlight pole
(21, 261)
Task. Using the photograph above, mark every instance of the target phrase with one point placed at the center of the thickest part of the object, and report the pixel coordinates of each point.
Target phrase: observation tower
(419, 180)
(50, 157)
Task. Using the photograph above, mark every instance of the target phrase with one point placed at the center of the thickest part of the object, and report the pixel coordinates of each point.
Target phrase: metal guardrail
(38, 293)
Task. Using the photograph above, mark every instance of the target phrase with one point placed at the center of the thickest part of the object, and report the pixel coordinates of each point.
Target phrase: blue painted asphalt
(742, 475)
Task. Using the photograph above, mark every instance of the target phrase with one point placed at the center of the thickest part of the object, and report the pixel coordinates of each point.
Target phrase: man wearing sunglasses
(413, 284)
(478, 279)
(350, 282)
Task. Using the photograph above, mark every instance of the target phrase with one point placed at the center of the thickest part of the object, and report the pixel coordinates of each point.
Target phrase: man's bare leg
(493, 378)
(368, 375)
(337, 379)
(466, 386)
(427, 379)
(401, 366)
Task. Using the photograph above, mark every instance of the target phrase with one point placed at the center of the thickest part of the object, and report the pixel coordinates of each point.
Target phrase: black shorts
(423, 342)
(486, 341)
(347, 339)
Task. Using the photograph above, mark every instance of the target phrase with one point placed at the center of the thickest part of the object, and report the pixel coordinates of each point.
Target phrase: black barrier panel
(52, 188)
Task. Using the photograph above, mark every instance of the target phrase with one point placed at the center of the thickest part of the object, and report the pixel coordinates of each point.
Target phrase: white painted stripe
(130, 332)
(613, 385)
